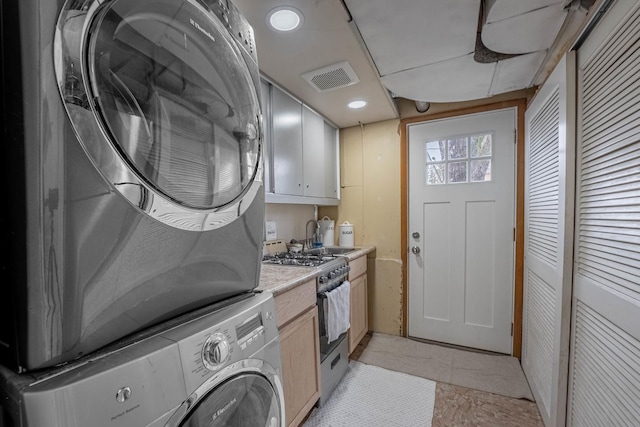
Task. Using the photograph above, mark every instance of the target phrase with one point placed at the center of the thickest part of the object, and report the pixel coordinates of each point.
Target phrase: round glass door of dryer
(245, 400)
(175, 99)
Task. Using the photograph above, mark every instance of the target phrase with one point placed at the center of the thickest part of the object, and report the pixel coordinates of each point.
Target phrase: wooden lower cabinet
(358, 312)
(358, 302)
(300, 349)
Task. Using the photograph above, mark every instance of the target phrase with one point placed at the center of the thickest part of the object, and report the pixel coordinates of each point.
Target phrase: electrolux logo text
(202, 30)
(222, 410)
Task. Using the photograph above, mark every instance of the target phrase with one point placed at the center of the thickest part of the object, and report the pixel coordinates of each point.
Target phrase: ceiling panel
(516, 73)
(405, 34)
(528, 32)
(458, 79)
(498, 10)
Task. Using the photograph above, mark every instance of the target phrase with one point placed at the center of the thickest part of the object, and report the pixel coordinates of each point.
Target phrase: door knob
(415, 250)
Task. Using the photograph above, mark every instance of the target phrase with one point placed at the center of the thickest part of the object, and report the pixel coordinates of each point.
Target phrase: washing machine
(220, 369)
(132, 137)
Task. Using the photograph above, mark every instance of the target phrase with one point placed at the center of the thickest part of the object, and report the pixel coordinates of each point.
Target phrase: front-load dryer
(132, 139)
(219, 369)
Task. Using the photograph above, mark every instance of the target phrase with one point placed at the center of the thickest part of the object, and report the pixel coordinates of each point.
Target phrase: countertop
(281, 278)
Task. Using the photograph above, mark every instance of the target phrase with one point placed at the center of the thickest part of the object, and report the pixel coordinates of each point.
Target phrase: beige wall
(290, 219)
(370, 200)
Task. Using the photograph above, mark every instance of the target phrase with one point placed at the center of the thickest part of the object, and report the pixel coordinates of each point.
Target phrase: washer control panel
(212, 342)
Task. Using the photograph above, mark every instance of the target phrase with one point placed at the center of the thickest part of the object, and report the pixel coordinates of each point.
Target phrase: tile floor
(460, 406)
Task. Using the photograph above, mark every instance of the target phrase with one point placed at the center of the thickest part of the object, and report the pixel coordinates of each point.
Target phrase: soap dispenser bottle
(317, 236)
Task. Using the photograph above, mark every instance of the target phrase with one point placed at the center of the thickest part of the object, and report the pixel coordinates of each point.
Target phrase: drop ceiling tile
(516, 73)
(405, 34)
(503, 9)
(529, 32)
(458, 79)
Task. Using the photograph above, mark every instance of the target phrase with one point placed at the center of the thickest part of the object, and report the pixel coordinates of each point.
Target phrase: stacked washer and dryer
(134, 218)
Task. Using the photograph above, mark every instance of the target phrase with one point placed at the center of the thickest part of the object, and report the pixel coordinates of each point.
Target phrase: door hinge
(511, 328)
(514, 234)
(515, 136)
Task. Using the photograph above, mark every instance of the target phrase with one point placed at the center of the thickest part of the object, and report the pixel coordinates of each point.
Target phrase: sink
(331, 250)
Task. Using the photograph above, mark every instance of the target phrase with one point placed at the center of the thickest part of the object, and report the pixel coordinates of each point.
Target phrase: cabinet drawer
(295, 301)
(358, 267)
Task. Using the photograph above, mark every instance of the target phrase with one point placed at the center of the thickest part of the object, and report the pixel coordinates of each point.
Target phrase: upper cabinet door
(331, 162)
(313, 153)
(287, 143)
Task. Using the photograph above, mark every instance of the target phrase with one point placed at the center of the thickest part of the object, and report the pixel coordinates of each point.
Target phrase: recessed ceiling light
(285, 18)
(357, 104)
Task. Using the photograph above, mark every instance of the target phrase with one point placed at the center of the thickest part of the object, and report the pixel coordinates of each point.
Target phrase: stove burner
(298, 259)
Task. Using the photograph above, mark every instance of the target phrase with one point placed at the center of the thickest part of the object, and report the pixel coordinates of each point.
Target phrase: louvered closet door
(605, 354)
(549, 199)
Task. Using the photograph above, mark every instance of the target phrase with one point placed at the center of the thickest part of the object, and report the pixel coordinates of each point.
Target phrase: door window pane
(457, 148)
(481, 145)
(435, 151)
(436, 174)
(480, 170)
(457, 172)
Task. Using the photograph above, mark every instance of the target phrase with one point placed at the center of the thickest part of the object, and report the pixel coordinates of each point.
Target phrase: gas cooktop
(298, 259)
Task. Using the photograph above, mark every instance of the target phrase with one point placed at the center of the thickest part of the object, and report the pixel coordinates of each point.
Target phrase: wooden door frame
(520, 105)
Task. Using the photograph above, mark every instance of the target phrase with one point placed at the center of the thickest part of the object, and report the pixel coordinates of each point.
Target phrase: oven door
(165, 104)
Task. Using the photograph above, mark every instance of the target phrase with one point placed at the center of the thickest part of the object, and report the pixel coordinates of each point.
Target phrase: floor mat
(497, 374)
(372, 396)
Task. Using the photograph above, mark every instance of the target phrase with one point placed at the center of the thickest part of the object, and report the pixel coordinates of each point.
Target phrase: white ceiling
(417, 49)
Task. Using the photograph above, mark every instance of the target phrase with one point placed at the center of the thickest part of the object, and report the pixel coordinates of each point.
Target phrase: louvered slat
(606, 372)
(539, 333)
(543, 181)
(610, 163)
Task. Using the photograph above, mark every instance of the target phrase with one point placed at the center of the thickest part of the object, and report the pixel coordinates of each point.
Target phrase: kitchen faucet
(308, 243)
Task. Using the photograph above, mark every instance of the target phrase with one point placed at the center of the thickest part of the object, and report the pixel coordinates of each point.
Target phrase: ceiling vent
(331, 77)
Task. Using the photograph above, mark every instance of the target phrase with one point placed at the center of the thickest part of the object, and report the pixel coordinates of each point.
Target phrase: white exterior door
(461, 229)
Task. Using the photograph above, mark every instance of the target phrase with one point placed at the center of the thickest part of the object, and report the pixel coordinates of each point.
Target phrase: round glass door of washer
(176, 99)
(246, 400)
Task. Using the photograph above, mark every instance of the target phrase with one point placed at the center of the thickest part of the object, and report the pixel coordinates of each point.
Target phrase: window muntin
(458, 160)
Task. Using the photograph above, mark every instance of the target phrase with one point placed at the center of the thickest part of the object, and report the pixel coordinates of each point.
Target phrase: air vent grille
(331, 77)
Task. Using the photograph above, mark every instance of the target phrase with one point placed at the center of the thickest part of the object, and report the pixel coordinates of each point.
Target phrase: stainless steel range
(303, 259)
(334, 356)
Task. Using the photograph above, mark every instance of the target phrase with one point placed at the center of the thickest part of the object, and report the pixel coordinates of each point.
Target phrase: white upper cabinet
(287, 146)
(313, 153)
(301, 158)
(331, 161)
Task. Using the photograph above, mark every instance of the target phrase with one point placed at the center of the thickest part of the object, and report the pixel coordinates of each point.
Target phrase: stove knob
(332, 275)
(323, 279)
(215, 352)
